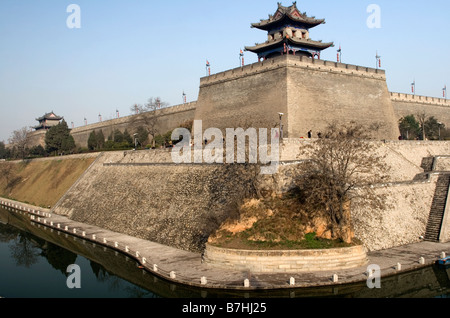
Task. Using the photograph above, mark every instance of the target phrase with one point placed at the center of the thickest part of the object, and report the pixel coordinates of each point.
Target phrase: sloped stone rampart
(441, 163)
(142, 195)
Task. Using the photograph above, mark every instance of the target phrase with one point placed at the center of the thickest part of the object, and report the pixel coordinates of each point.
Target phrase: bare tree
(342, 167)
(422, 118)
(19, 138)
(149, 115)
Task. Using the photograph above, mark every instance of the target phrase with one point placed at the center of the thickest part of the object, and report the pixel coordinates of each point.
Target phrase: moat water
(34, 262)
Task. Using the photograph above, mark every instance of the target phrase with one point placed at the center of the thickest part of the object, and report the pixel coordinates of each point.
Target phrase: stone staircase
(437, 208)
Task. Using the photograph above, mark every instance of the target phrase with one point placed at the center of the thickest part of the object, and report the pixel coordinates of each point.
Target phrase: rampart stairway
(437, 208)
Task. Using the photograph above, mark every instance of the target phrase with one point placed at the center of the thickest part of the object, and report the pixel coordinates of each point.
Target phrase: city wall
(143, 194)
(310, 93)
(407, 104)
(166, 119)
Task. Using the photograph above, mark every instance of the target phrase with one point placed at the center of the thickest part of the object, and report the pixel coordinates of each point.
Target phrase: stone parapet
(410, 98)
(286, 261)
(128, 119)
(292, 61)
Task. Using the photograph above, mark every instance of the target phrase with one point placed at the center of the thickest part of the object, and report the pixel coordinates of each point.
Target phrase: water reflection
(35, 259)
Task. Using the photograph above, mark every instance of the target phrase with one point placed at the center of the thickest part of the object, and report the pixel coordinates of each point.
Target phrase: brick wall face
(286, 261)
(249, 99)
(319, 97)
(310, 93)
(405, 107)
(168, 119)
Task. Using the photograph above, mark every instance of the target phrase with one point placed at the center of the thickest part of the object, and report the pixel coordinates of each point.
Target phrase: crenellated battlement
(410, 98)
(293, 61)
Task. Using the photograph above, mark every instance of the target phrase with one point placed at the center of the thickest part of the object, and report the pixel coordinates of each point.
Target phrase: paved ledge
(188, 268)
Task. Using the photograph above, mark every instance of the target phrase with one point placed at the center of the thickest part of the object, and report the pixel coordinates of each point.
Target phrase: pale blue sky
(128, 51)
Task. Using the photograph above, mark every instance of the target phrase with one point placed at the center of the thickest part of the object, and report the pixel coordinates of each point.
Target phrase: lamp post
(281, 126)
(439, 125)
(135, 141)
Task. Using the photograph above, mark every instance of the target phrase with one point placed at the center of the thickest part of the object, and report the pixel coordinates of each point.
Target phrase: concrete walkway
(187, 268)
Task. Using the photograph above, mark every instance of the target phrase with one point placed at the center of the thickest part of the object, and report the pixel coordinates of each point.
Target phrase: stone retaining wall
(289, 261)
(441, 163)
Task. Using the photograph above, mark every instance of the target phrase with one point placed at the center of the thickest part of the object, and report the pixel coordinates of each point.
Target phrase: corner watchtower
(288, 33)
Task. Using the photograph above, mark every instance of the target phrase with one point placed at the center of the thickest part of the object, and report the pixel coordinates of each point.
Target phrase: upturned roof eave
(47, 116)
(268, 24)
(307, 44)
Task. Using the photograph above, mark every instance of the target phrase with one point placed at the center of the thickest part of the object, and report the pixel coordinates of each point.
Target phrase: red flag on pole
(208, 67)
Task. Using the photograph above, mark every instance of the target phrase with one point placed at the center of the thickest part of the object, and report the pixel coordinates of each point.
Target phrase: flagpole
(378, 58)
(339, 55)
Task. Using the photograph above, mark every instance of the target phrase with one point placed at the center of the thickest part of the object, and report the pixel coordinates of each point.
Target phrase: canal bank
(188, 268)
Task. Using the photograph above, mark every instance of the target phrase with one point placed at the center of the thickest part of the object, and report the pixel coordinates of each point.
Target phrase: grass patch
(276, 224)
(309, 242)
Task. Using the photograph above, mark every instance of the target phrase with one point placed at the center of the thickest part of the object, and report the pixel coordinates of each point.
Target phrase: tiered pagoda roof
(48, 120)
(286, 16)
(288, 33)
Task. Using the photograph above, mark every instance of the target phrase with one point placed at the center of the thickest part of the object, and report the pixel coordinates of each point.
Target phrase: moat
(35, 260)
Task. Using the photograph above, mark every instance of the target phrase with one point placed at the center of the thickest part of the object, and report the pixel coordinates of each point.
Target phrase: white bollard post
(74, 231)
(127, 249)
(422, 260)
(137, 254)
(399, 267)
(116, 244)
(292, 281)
(94, 236)
(173, 275)
(58, 225)
(104, 240)
(203, 280)
(246, 283)
(155, 267)
(335, 278)
(83, 233)
(144, 260)
(66, 228)
(443, 255)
